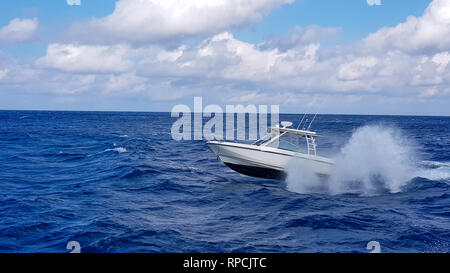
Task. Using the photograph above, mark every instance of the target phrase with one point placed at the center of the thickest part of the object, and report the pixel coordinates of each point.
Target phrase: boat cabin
(284, 138)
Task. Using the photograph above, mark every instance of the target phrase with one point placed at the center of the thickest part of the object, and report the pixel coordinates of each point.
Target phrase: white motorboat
(269, 156)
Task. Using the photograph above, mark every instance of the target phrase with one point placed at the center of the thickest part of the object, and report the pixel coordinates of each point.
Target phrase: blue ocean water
(117, 182)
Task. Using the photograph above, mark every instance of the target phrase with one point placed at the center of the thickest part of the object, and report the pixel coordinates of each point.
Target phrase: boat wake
(376, 160)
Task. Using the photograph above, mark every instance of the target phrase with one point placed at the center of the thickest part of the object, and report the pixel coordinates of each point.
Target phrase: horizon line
(135, 111)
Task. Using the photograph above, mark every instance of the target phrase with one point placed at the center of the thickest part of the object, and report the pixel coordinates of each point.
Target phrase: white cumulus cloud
(86, 58)
(357, 68)
(18, 30)
(144, 21)
(427, 33)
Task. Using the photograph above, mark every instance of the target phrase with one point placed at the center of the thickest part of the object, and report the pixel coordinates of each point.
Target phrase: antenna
(318, 109)
(304, 115)
(312, 120)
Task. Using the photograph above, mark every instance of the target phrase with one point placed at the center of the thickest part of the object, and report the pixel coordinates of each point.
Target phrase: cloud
(226, 58)
(428, 93)
(126, 81)
(357, 68)
(299, 36)
(18, 30)
(70, 84)
(3, 73)
(432, 70)
(427, 33)
(244, 69)
(86, 58)
(374, 2)
(223, 64)
(73, 2)
(287, 69)
(13, 71)
(152, 21)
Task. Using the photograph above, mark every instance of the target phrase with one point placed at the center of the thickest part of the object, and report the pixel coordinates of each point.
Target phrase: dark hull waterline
(258, 172)
(265, 173)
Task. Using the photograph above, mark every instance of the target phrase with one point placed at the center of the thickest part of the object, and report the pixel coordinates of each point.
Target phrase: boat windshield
(291, 143)
(285, 141)
(299, 141)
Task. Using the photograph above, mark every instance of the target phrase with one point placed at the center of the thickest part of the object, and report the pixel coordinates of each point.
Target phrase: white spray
(376, 159)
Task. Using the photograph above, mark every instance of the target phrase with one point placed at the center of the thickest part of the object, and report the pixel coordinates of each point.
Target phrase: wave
(118, 149)
(137, 172)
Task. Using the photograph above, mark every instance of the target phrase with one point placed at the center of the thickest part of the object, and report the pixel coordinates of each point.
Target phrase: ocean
(118, 182)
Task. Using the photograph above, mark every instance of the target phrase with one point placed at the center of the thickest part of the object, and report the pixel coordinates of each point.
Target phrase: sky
(336, 56)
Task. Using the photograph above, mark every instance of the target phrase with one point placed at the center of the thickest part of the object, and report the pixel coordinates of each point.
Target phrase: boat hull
(266, 162)
(257, 172)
